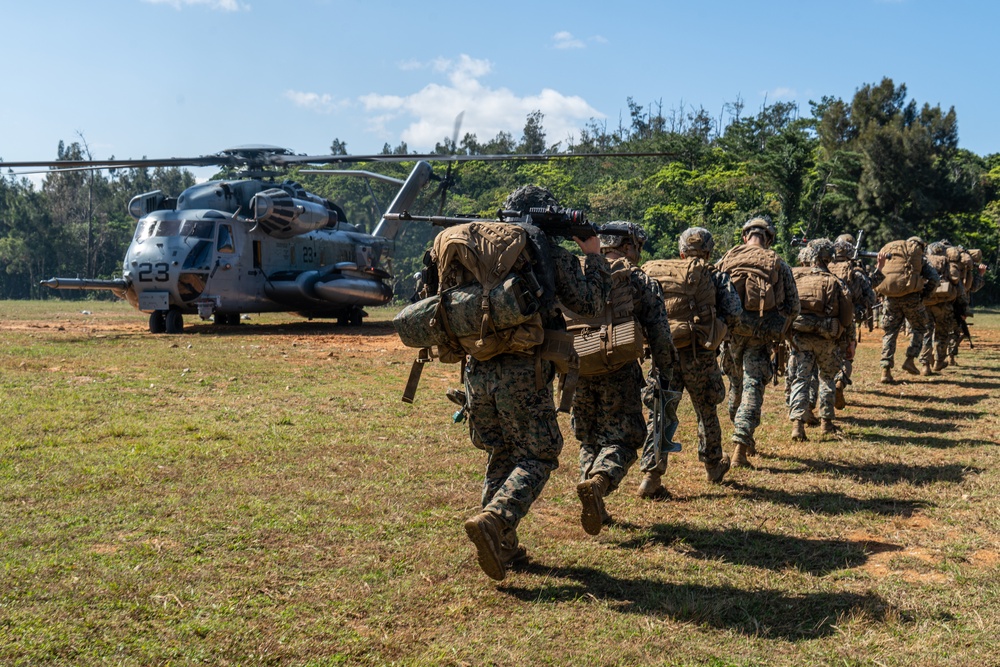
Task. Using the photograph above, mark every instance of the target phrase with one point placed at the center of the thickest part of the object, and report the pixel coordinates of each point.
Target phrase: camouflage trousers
(812, 354)
(749, 371)
(793, 363)
(895, 311)
(516, 424)
(942, 331)
(608, 422)
(698, 372)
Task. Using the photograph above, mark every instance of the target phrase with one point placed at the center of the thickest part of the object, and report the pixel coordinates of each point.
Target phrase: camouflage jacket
(860, 287)
(728, 306)
(650, 312)
(584, 289)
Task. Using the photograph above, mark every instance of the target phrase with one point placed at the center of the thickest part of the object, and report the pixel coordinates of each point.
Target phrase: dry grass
(259, 495)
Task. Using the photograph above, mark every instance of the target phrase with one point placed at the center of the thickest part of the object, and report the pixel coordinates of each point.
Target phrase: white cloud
(320, 103)
(781, 93)
(566, 40)
(224, 5)
(429, 114)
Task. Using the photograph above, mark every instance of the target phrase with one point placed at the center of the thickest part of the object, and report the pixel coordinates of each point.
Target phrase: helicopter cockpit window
(202, 229)
(226, 239)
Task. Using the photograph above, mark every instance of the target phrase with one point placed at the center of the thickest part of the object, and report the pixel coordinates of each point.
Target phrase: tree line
(880, 163)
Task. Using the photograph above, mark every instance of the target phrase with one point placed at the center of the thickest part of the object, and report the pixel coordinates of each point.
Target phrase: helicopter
(251, 244)
(227, 247)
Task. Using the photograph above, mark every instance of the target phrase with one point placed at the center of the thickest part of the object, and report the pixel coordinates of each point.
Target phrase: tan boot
(716, 471)
(484, 531)
(925, 370)
(739, 459)
(887, 376)
(910, 366)
(591, 493)
(839, 400)
(799, 431)
(940, 364)
(810, 418)
(511, 551)
(827, 427)
(651, 488)
(952, 360)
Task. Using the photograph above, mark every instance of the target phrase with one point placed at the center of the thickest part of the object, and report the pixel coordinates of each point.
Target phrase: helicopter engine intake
(282, 216)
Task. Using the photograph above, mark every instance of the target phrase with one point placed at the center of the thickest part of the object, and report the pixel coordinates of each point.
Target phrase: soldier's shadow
(917, 440)
(825, 502)
(896, 396)
(759, 613)
(880, 473)
(902, 424)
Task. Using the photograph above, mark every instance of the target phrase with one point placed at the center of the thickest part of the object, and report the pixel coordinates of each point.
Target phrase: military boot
(839, 400)
(591, 493)
(887, 376)
(484, 530)
(952, 360)
(940, 364)
(827, 427)
(651, 489)
(739, 459)
(799, 431)
(810, 418)
(511, 551)
(716, 471)
(925, 369)
(910, 366)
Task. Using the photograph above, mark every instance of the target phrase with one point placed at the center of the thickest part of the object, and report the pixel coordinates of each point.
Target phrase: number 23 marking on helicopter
(162, 274)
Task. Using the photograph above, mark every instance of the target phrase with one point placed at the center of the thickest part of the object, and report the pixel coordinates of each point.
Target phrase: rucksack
(608, 341)
(902, 269)
(690, 300)
(755, 272)
(819, 302)
(946, 290)
(487, 300)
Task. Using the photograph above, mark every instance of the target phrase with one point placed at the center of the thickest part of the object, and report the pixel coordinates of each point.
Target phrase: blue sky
(167, 78)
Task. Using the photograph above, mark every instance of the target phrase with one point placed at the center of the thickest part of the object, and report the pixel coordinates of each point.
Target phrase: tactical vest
(690, 299)
(756, 275)
(902, 269)
(819, 301)
(614, 338)
(946, 290)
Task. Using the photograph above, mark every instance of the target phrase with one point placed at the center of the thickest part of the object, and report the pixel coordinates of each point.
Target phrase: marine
(511, 410)
(698, 369)
(862, 296)
(770, 303)
(607, 407)
(942, 329)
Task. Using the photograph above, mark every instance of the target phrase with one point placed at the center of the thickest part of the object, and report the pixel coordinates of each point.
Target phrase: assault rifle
(961, 313)
(665, 421)
(553, 220)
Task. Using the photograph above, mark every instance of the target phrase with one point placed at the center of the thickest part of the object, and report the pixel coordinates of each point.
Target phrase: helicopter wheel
(174, 321)
(343, 320)
(219, 319)
(356, 318)
(157, 322)
(233, 319)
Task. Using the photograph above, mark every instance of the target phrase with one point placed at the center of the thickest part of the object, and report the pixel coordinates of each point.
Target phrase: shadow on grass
(303, 328)
(881, 473)
(917, 440)
(758, 613)
(936, 426)
(823, 502)
(756, 548)
(894, 396)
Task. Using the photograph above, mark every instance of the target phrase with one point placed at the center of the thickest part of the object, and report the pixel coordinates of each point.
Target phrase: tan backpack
(608, 341)
(819, 302)
(968, 271)
(902, 269)
(690, 299)
(946, 290)
(755, 272)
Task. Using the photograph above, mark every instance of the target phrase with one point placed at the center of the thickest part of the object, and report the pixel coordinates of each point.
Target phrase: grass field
(260, 495)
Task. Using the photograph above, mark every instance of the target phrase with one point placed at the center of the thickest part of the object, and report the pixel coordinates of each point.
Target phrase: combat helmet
(919, 241)
(757, 225)
(842, 250)
(528, 197)
(805, 256)
(696, 240)
(822, 251)
(847, 238)
(635, 235)
(937, 248)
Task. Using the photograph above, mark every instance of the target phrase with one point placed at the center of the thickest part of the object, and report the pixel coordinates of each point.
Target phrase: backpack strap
(423, 356)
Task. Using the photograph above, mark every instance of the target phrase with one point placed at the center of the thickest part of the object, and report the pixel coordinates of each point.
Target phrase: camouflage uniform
(748, 362)
(942, 324)
(911, 309)
(862, 296)
(698, 372)
(607, 409)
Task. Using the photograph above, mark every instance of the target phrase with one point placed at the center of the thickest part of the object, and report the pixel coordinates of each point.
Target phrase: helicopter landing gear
(174, 321)
(356, 317)
(157, 322)
(234, 319)
(227, 319)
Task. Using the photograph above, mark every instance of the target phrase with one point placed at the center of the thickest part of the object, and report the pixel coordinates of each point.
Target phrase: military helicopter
(253, 244)
(250, 244)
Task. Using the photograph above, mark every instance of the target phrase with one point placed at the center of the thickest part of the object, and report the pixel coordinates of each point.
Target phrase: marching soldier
(702, 305)
(862, 296)
(770, 302)
(607, 407)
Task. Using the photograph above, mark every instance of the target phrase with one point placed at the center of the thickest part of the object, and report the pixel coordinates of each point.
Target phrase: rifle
(664, 419)
(553, 220)
(961, 314)
(779, 361)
